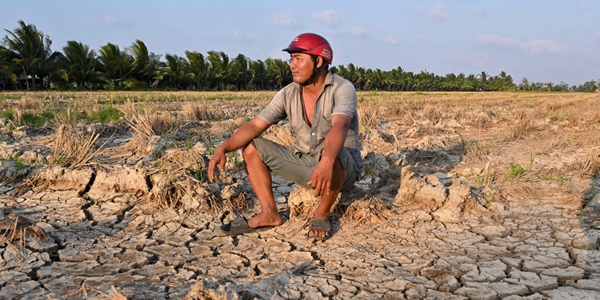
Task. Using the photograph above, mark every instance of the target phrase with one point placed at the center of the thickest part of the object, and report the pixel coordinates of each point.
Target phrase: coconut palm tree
(116, 64)
(258, 73)
(177, 71)
(220, 68)
(240, 71)
(199, 67)
(8, 68)
(78, 64)
(278, 72)
(31, 48)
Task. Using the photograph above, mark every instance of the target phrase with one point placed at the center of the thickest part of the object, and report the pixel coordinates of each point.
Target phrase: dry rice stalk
(113, 294)
(282, 135)
(591, 165)
(194, 111)
(146, 126)
(432, 113)
(73, 149)
(30, 103)
(369, 209)
(17, 228)
(18, 118)
(369, 115)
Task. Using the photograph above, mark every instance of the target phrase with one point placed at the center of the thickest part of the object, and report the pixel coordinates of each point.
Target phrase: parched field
(463, 196)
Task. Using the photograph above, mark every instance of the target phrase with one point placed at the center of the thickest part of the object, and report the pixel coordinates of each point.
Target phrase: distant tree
(31, 49)
(8, 68)
(199, 68)
(258, 75)
(177, 71)
(116, 64)
(78, 64)
(220, 69)
(278, 72)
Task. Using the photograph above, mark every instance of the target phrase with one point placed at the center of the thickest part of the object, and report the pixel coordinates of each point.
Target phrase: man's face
(301, 65)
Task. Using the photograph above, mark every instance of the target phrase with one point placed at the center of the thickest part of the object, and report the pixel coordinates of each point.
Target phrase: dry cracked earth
(440, 213)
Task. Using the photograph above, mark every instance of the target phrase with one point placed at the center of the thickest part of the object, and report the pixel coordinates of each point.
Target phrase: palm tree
(177, 71)
(31, 48)
(116, 64)
(524, 84)
(197, 66)
(220, 68)
(78, 64)
(258, 72)
(278, 71)
(483, 79)
(8, 68)
(240, 74)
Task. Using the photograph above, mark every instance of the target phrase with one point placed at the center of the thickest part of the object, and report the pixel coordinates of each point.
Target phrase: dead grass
(146, 126)
(16, 230)
(369, 115)
(369, 210)
(281, 134)
(181, 176)
(73, 149)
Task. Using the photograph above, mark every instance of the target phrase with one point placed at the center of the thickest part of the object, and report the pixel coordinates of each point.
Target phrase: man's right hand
(218, 159)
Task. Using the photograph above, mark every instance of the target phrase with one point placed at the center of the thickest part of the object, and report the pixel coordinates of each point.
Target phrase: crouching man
(321, 109)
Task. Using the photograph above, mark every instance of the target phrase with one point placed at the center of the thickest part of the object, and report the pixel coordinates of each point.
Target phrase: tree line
(28, 62)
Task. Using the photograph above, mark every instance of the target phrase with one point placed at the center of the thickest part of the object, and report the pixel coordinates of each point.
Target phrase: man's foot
(254, 224)
(319, 229)
(265, 219)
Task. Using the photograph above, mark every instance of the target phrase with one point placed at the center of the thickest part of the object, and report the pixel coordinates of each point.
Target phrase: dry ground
(464, 195)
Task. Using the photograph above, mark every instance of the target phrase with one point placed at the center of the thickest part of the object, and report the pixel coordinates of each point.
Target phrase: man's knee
(249, 151)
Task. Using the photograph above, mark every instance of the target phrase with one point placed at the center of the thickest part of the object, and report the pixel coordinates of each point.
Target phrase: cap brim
(293, 49)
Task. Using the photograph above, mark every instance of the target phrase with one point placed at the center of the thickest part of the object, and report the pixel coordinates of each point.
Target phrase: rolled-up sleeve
(345, 100)
(275, 111)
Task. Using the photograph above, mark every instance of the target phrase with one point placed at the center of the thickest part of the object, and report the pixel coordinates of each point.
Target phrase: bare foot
(318, 232)
(265, 219)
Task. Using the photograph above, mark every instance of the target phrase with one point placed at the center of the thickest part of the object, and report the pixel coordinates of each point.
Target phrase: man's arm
(322, 175)
(239, 139)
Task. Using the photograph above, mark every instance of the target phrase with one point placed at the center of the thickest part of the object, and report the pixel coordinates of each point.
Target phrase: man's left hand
(321, 177)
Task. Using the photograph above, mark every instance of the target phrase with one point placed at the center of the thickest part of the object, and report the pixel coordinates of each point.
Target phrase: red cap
(311, 43)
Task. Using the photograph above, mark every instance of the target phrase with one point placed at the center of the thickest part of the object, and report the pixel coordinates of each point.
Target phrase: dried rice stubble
(368, 210)
(17, 228)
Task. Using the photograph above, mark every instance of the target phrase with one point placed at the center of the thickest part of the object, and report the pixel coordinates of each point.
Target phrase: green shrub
(108, 114)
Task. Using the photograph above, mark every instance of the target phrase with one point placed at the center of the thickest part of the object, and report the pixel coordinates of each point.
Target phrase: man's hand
(219, 159)
(321, 177)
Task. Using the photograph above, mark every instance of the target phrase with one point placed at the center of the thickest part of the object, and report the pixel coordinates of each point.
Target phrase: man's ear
(319, 61)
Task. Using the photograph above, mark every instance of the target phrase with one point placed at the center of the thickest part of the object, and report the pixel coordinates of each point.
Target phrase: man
(321, 108)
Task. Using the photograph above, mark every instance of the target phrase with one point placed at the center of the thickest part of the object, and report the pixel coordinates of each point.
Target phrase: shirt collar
(328, 80)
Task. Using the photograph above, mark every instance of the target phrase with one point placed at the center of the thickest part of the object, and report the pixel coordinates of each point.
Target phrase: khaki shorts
(298, 168)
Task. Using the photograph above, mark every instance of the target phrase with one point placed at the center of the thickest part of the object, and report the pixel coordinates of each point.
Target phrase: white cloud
(328, 17)
(236, 35)
(531, 46)
(358, 31)
(391, 41)
(424, 39)
(114, 21)
(286, 19)
(438, 12)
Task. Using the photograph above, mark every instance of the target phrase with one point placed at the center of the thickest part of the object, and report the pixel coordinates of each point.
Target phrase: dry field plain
(104, 195)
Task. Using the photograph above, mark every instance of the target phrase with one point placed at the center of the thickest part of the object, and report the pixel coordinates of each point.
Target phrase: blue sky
(544, 41)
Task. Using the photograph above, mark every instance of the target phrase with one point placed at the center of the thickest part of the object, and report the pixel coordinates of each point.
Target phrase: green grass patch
(108, 114)
(37, 119)
(516, 171)
(8, 114)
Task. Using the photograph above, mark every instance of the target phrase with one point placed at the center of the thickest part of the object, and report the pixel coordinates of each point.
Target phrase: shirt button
(313, 133)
